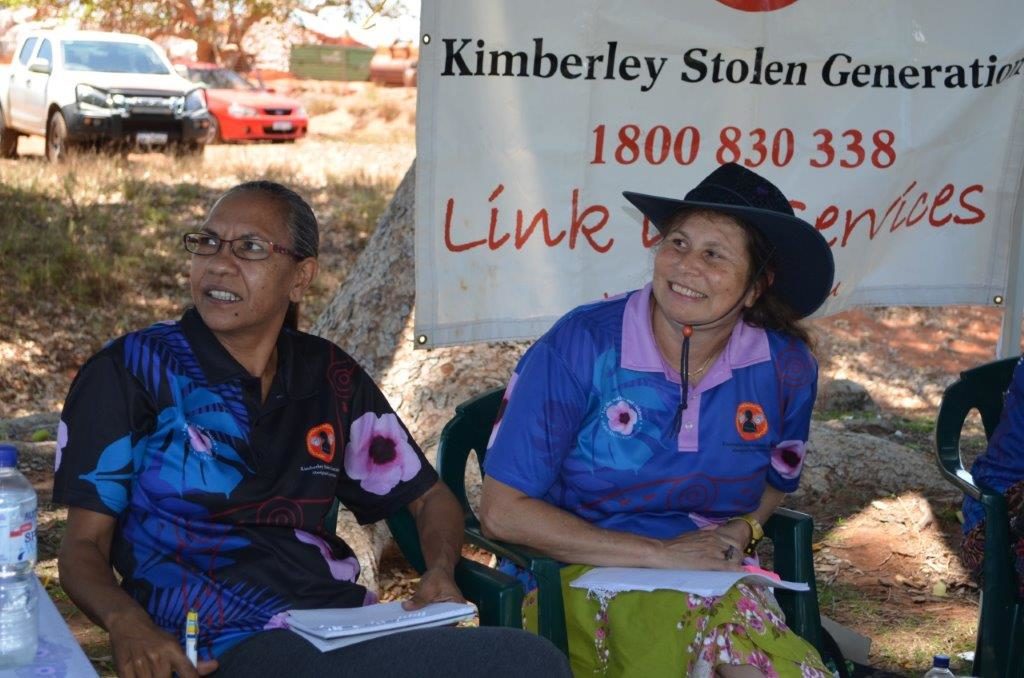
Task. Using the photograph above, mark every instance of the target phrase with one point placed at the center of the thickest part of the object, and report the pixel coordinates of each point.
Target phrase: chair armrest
(791, 533)
(547, 572)
(498, 596)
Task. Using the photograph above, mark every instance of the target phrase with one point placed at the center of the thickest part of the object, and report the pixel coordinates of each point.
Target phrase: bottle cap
(8, 456)
(940, 661)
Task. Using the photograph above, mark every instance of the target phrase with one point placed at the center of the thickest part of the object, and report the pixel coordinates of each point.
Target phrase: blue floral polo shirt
(587, 423)
(219, 497)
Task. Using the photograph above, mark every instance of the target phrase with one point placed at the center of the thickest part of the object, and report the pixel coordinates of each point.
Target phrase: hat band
(715, 193)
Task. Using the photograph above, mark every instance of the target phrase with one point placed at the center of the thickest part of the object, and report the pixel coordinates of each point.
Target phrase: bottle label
(17, 536)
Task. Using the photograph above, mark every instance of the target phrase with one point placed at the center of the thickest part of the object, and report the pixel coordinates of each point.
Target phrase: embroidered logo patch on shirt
(751, 423)
(320, 442)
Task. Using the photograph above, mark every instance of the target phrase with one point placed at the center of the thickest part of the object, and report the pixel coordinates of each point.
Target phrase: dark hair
(769, 311)
(301, 221)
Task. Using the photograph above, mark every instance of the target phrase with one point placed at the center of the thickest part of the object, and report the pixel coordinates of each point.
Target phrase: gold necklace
(693, 373)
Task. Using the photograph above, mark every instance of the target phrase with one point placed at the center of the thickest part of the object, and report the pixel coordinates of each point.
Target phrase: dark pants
(445, 651)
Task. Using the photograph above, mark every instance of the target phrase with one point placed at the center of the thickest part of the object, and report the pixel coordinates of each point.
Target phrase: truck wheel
(8, 141)
(213, 134)
(57, 145)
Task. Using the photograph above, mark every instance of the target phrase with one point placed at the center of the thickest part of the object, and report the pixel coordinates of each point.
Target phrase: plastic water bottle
(19, 604)
(940, 668)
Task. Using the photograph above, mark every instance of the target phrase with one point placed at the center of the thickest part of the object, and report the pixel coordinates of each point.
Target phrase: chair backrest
(1001, 621)
(468, 431)
(982, 389)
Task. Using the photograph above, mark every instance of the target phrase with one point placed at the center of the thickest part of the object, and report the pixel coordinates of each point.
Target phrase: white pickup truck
(87, 88)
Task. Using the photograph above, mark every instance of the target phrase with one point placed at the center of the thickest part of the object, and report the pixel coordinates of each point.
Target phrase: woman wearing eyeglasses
(661, 428)
(199, 459)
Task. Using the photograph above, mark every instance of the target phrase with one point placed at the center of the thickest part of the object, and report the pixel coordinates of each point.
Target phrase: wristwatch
(756, 532)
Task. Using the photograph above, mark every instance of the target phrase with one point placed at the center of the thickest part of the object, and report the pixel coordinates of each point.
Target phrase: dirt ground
(886, 565)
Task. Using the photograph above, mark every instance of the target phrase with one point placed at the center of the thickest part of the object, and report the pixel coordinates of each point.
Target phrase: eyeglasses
(250, 249)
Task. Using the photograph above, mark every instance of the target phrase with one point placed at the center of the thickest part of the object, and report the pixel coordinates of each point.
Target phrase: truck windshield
(112, 57)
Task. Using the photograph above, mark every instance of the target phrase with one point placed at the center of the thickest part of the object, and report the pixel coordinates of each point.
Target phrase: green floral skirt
(668, 633)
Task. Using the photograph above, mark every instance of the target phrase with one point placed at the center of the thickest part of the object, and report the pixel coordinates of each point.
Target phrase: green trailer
(330, 62)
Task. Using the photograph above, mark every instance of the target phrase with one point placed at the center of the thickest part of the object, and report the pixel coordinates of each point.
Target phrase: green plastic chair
(470, 429)
(1000, 644)
(498, 597)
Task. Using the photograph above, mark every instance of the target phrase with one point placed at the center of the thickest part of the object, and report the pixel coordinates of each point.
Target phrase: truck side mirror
(39, 65)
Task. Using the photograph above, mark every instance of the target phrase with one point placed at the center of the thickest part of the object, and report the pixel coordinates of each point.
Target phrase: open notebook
(697, 582)
(329, 629)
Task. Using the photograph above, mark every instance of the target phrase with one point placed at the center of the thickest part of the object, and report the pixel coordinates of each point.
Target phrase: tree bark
(371, 317)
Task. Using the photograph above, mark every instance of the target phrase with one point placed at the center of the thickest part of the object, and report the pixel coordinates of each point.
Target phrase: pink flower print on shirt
(198, 439)
(621, 417)
(788, 458)
(378, 453)
(346, 569)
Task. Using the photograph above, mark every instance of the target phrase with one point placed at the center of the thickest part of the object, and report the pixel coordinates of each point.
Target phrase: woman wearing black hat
(663, 427)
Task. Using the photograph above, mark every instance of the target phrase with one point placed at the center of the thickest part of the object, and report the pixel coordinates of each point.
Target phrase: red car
(244, 111)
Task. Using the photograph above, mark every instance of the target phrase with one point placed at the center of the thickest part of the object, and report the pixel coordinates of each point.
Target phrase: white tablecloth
(59, 654)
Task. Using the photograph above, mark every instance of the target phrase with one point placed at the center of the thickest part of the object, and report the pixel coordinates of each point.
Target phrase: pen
(192, 636)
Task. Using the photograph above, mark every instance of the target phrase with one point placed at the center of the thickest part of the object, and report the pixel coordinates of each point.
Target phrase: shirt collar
(219, 366)
(747, 345)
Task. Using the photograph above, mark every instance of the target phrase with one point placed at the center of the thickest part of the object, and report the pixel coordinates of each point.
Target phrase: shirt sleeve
(541, 412)
(384, 469)
(797, 371)
(100, 436)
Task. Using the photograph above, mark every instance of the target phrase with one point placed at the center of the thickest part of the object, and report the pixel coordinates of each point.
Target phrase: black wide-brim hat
(802, 260)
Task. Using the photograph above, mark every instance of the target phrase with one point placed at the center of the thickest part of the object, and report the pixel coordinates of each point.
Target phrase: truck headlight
(88, 96)
(239, 111)
(195, 101)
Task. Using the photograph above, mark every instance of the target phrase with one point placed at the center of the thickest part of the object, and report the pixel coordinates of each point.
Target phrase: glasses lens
(200, 243)
(251, 248)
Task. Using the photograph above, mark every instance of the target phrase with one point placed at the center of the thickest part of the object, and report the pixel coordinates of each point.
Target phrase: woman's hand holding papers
(436, 586)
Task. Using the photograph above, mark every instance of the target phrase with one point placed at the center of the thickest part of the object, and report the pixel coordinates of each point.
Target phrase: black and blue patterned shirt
(219, 497)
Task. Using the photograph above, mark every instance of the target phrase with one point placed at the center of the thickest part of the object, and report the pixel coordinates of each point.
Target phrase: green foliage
(41, 435)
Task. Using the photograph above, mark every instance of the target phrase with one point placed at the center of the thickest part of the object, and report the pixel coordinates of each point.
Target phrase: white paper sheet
(698, 582)
(329, 629)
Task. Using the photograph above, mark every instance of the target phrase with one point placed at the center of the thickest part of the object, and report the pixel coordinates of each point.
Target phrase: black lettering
(830, 63)
(696, 64)
(455, 57)
(540, 55)
(509, 57)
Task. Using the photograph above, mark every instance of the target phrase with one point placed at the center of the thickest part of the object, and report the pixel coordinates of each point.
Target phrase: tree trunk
(371, 317)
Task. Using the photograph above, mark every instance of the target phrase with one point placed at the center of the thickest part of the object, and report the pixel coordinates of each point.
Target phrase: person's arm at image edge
(140, 648)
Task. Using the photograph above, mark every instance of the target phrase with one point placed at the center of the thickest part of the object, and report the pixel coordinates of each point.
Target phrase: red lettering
(492, 242)
(941, 198)
(540, 217)
(651, 236)
(979, 214)
(851, 224)
(901, 203)
(452, 247)
(922, 200)
(579, 224)
(827, 220)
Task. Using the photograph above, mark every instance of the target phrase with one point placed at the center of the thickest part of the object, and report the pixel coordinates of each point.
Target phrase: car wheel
(8, 140)
(57, 145)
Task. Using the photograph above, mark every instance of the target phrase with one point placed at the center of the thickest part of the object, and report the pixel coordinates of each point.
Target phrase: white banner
(894, 126)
